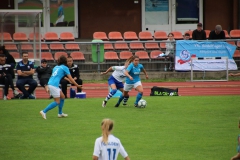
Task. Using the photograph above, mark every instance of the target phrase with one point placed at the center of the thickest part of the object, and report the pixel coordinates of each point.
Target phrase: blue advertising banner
(206, 53)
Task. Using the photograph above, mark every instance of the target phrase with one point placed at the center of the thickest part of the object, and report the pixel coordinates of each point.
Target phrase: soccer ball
(142, 103)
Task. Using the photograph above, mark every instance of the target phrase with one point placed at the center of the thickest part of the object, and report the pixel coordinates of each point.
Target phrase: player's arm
(237, 156)
(127, 158)
(108, 70)
(21, 73)
(144, 71)
(127, 74)
(31, 72)
(95, 158)
(73, 81)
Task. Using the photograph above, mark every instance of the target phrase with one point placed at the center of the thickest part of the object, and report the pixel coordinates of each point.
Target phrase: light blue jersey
(57, 74)
(134, 72)
(60, 11)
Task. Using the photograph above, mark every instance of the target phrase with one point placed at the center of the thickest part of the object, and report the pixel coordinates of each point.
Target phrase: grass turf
(199, 128)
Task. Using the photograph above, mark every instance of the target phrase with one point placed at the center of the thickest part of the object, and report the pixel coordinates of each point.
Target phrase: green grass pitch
(183, 128)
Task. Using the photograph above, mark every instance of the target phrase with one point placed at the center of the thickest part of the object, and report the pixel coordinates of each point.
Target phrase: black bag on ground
(160, 91)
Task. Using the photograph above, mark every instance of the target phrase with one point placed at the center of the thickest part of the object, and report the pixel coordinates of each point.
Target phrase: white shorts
(61, 19)
(128, 87)
(54, 91)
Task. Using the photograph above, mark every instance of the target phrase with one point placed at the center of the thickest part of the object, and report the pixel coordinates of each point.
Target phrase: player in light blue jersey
(115, 81)
(58, 72)
(107, 147)
(133, 81)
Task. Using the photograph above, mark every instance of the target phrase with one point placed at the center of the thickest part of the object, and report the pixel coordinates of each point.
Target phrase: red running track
(184, 89)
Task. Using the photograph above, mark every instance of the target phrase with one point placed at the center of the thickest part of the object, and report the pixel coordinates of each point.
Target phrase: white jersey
(118, 73)
(109, 151)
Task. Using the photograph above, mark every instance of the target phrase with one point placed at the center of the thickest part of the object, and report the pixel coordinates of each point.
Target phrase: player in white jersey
(107, 147)
(115, 81)
(58, 72)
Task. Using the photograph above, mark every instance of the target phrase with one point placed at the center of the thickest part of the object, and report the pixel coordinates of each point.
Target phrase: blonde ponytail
(107, 126)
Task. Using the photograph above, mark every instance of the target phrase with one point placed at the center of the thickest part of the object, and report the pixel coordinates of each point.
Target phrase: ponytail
(107, 126)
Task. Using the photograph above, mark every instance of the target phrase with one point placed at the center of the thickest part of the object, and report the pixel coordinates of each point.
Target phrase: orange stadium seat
(11, 47)
(20, 36)
(6, 36)
(121, 45)
(235, 33)
(44, 47)
(31, 36)
(232, 43)
(66, 36)
(236, 54)
(111, 56)
(190, 33)
(226, 34)
(160, 35)
(163, 45)
(51, 36)
(207, 33)
(26, 47)
(100, 35)
(72, 47)
(47, 55)
(136, 45)
(130, 35)
(151, 46)
(58, 54)
(124, 55)
(108, 46)
(145, 35)
(238, 44)
(154, 55)
(77, 56)
(15, 55)
(30, 55)
(57, 47)
(143, 55)
(115, 36)
(177, 35)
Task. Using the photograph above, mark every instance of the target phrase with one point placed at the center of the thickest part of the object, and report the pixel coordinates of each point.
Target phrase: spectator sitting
(186, 36)
(74, 71)
(170, 49)
(199, 33)
(6, 77)
(218, 33)
(44, 73)
(9, 58)
(25, 71)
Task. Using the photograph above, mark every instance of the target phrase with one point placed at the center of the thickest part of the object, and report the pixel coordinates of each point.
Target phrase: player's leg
(60, 106)
(110, 94)
(126, 89)
(21, 86)
(55, 92)
(64, 84)
(32, 86)
(138, 88)
(6, 87)
(10, 80)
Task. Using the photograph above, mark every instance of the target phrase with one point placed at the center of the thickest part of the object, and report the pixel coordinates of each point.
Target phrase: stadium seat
(44, 47)
(238, 44)
(11, 47)
(78, 56)
(236, 54)
(226, 34)
(66, 36)
(154, 55)
(31, 36)
(189, 32)
(30, 55)
(26, 47)
(121, 45)
(177, 35)
(160, 35)
(143, 55)
(100, 35)
(58, 54)
(111, 56)
(15, 55)
(51, 36)
(72, 47)
(108, 46)
(151, 46)
(136, 45)
(71, 23)
(20, 36)
(232, 43)
(47, 55)
(235, 33)
(207, 33)
(163, 45)
(124, 55)
(145, 35)
(6, 36)
(57, 47)
(115, 36)
(130, 36)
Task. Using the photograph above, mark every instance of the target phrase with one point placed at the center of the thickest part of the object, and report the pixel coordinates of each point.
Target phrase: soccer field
(182, 128)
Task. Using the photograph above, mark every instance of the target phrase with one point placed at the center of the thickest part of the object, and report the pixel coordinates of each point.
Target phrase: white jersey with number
(109, 151)
(118, 73)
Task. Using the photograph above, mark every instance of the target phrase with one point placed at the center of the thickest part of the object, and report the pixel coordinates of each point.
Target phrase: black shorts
(43, 82)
